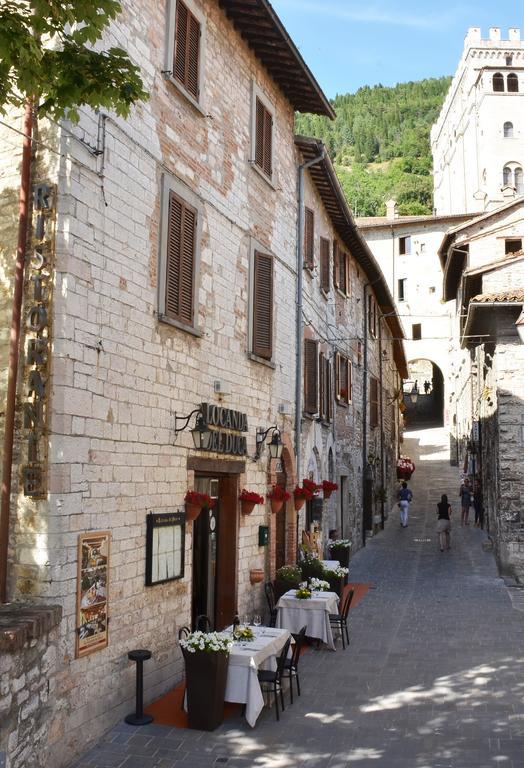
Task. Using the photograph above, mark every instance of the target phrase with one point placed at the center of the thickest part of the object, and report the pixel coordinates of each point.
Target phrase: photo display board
(165, 544)
(92, 592)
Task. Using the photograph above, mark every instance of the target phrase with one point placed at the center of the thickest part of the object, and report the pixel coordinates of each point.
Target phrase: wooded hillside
(379, 144)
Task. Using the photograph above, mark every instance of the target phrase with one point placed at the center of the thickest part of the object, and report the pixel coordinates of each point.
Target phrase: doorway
(281, 526)
(215, 535)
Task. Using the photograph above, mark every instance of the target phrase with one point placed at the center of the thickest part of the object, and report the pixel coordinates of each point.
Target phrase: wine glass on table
(257, 620)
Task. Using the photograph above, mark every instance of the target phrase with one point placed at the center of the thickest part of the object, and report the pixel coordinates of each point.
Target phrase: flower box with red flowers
(277, 496)
(310, 486)
(328, 487)
(301, 495)
(249, 500)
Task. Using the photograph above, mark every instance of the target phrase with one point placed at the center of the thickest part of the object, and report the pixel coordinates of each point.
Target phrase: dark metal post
(138, 717)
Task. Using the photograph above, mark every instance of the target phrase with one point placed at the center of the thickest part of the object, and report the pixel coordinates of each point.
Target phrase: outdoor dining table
(245, 659)
(330, 565)
(313, 613)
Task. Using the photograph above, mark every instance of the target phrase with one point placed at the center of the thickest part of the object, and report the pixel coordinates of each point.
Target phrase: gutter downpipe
(299, 331)
(14, 344)
(364, 413)
(382, 473)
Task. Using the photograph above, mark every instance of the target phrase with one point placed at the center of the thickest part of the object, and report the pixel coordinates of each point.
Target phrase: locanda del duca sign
(225, 426)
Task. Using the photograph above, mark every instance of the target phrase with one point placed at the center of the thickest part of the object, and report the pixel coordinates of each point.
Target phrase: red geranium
(277, 493)
(199, 499)
(310, 486)
(302, 493)
(251, 496)
(328, 486)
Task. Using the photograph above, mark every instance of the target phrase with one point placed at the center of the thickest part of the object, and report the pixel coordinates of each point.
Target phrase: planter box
(206, 676)
(341, 554)
(281, 587)
(337, 584)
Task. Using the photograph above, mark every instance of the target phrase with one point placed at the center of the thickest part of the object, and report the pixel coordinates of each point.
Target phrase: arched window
(506, 176)
(498, 82)
(519, 181)
(513, 83)
(508, 130)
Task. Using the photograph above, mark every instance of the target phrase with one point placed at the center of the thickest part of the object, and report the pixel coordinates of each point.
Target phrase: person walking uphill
(444, 522)
(465, 494)
(404, 497)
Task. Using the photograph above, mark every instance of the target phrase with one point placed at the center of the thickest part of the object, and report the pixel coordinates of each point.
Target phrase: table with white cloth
(245, 659)
(330, 565)
(294, 613)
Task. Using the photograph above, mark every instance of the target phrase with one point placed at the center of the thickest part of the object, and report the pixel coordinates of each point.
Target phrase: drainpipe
(14, 343)
(365, 410)
(381, 374)
(299, 331)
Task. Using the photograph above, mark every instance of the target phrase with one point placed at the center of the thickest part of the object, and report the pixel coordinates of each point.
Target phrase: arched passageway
(428, 410)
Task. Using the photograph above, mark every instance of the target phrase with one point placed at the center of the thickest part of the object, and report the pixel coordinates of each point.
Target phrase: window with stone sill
(262, 134)
(185, 48)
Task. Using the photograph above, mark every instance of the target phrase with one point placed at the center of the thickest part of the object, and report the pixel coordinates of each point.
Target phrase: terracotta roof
(376, 222)
(516, 295)
(259, 25)
(328, 187)
(482, 309)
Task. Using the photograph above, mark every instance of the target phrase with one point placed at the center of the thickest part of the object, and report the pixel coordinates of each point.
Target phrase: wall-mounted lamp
(275, 445)
(413, 396)
(520, 326)
(200, 433)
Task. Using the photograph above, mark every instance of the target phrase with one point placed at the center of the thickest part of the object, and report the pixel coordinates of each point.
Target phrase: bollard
(138, 717)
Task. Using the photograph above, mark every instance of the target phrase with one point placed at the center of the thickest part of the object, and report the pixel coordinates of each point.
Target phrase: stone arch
(429, 407)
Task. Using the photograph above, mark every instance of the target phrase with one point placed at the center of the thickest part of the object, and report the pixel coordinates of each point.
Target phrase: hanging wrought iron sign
(225, 426)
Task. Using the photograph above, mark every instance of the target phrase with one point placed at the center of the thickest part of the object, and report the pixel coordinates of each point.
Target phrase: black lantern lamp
(200, 433)
(275, 445)
(414, 395)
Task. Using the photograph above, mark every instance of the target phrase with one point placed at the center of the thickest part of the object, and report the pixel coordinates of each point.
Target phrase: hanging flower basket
(276, 505)
(310, 486)
(192, 512)
(328, 487)
(301, 495)
(277, 496)
(195, 502)
(249, 500)
(256, 575)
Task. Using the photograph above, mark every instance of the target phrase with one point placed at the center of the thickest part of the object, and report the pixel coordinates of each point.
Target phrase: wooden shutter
(328, 391)
(335, 263)
(310, 376)
(180, 260)
(373, 402)
(322, 386)
(309, 238)
(350, 381)
(263, 138)
(324, 264)
(186, 64)
(263, 305)
(342, 271)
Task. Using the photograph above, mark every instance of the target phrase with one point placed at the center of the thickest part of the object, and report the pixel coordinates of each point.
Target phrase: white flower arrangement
(337, 572)
(346, 543)
(319, 585)
(207, 641)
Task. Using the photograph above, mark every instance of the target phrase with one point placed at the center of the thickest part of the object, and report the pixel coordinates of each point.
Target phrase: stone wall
(28, 683)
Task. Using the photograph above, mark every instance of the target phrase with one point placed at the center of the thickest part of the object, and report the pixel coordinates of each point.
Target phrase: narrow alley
(432, 679)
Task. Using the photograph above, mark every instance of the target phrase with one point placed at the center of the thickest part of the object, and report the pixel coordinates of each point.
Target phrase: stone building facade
(483, 264)
(478, 139)
(167, 263)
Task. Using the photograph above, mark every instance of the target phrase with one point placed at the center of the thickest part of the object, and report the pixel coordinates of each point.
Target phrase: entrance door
(281, 524)
(215, 552)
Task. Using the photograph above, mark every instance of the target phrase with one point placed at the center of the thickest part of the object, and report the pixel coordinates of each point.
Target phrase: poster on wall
(164, 547)
(91, 600)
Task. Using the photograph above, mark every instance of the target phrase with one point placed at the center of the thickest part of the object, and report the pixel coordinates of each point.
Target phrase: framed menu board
(165, 544)
(91, 599)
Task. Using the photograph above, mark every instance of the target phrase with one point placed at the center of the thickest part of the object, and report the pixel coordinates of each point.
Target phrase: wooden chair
(291, 665)
(340, 620)
(273, 678)
(183, 632)
(272, 603)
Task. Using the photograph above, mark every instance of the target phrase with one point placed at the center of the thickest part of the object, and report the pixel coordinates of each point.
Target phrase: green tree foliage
(47, 57)
(379, 143)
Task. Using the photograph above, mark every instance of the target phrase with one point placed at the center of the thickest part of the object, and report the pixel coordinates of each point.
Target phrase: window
(509, 60)
(498, 82)
(373, 402)
(512, 177)
(513, 83)
(262, 134)
(416, 331)
(343, 379)
(343, 283)
(185, 45)
(508, 130)
(309, 238)
(336, 256)
(506, 176)
(519, 184)
(432, 289)
(262, 310)
(401, 285)
(310, 376)
(325, 387)
(404, 245)
(372, 316)
(324, 264)
(178, 254)
(513, 246)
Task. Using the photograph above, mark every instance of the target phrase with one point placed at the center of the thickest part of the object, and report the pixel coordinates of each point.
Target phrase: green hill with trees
(379, 143)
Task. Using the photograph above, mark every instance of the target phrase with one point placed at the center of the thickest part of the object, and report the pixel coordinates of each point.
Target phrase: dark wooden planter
(336, 584)
(206, 676)
(341, 554)
(281, 587)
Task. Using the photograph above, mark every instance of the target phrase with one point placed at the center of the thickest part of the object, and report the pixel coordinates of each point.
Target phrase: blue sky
(350, 43)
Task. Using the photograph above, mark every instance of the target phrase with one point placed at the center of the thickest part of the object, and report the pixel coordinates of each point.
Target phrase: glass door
(205, 539)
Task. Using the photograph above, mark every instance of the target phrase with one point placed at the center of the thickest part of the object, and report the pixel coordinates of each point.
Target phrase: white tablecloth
(245, 659)
(330, 565)
(293, 614)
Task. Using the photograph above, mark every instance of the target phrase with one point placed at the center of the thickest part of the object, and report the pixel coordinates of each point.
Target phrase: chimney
(391, 210)
(494, 34)
(514, 35)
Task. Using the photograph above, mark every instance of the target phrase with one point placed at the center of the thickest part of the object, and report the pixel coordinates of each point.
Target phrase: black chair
(274, 677)
(291, 665)
(183, 632)
(203, 624)
(272, 603)
(340, 620)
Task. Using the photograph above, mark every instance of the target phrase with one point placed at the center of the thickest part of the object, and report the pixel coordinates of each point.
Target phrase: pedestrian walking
(404, 498)
(478, 505)
(465, 494)
(444, 522)
(427, 387)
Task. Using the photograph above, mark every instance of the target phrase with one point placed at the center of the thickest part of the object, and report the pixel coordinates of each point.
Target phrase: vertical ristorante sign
(37, 352)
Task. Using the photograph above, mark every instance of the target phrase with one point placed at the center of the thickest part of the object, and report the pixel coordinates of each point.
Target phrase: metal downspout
(382, 473)
(14, 344)
(364, 412)
(299, 331)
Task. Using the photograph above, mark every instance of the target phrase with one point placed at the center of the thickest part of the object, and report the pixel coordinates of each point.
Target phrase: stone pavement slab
(433, 677)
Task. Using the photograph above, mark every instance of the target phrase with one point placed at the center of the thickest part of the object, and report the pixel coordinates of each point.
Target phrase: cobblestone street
(433, 677)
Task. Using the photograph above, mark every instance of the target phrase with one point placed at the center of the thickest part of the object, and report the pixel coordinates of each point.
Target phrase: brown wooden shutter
(263, 306)
(328, 384)
(186, 63)
(309, 238)
(373, 402)
(263, 138)
(180, 260)
(310, 376)
(336, 255)
(337, 375)
(324, 264)
(268, 143)
(344, 392)
(350, 381)
(322, 386)
(342, 267)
